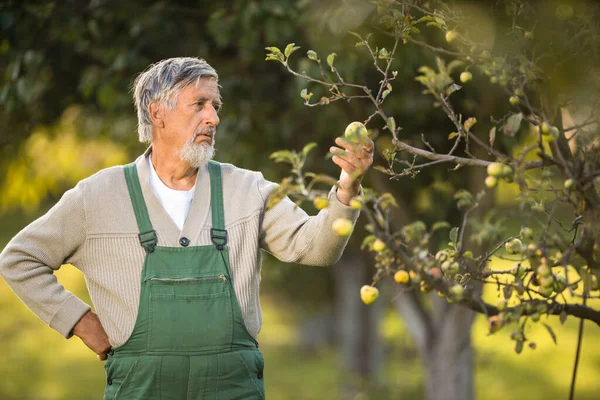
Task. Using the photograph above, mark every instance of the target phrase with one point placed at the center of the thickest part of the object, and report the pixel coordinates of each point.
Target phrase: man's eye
(218, 107)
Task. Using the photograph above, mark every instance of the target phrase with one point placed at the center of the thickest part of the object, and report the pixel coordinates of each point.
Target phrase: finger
(352, 157)
(347, 156)
(344, 164)
(362, 149)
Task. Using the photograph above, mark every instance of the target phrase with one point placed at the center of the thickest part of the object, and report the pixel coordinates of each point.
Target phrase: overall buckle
(217, 238)
(148, 240)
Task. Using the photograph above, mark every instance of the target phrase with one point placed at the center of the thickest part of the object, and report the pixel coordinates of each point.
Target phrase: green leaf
(440, 225)
(385, 93)
(387, 200)
(330, 59)
(551, 332)
(452, 135)
(454, 234)
(563, 317)
(283, 156)
(356, 35)
(453, 88)
(391, 124)
(312, 55)
(386, 171)
(368, 240)
(512, 124)
(305, 95)
(507, 291)
(289, 49)
(492, 136)
(308, 148)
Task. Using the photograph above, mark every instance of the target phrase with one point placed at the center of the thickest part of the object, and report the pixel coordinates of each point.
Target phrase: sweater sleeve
(291, 235)
(29, 260)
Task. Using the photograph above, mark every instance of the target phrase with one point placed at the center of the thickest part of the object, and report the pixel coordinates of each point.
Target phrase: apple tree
(543, 147)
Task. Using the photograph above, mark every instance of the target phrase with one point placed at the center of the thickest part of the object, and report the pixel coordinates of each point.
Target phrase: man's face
(190, 127)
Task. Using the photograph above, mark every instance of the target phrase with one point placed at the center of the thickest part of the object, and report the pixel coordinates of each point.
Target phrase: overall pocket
(190, 314)
(118, 373)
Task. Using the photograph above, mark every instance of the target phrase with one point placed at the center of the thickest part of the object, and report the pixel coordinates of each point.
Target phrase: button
(260, 374)
(184, 241)
(109, 381)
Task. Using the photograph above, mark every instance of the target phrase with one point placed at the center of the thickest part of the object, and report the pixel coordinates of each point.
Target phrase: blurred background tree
(67, 67)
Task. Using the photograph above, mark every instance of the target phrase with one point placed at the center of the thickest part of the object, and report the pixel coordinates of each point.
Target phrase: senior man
(170, 249)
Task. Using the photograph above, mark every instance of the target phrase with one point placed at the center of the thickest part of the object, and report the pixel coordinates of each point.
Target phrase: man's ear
(156, 114)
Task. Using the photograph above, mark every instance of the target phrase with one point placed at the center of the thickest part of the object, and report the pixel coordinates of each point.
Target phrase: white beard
(197, 154)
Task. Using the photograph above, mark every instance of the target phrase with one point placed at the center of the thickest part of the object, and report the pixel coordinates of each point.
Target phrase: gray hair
(161, 82)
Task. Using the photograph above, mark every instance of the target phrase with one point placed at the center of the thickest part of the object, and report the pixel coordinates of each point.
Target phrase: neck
(172, 171)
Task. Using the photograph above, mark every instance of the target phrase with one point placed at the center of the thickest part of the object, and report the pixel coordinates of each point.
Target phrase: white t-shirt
(175, 202)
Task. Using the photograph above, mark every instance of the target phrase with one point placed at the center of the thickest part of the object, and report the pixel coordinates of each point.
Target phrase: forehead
(203, 87)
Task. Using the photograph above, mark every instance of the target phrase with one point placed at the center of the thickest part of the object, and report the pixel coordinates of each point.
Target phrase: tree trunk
(448, 356)
(361, 347)
(443, 334)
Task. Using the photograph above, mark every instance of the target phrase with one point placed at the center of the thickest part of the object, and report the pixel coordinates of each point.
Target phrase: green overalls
(189, 340)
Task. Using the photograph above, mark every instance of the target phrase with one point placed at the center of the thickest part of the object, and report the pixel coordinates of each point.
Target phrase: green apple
(568, 183)
(514, 246)
(342, 227)
(546, 291)
(506, 170)
(466, 76)
(514, 100)
(450, 36)
(369, 294)
(526, 233)
(544, 270)
(457, 292)
(355, 131)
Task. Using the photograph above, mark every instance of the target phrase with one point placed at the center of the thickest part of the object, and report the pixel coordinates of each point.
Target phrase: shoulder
(105, 180)
(241, 185)
(232, 172)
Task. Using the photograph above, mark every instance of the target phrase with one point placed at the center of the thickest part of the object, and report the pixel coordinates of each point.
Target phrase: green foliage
(533, 155)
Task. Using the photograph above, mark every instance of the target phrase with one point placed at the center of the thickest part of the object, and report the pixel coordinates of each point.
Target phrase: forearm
(29, 260)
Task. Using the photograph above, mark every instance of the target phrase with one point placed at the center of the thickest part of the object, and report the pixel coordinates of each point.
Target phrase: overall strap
(147, 235)
(218, 234)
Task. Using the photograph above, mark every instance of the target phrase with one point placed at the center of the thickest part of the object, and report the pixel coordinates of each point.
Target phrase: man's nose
(213, 118)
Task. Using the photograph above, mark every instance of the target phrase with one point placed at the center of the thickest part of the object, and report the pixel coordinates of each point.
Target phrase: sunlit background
(66, 113)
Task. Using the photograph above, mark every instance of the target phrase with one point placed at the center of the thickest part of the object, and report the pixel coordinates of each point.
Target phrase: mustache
(209, 130)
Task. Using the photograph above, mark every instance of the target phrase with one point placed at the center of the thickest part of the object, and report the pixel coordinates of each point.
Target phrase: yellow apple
(342, 227)
(356, 204)
(378, 245)
(401, 276)
(320, 202)
(491, 182)
(494, 169)
(369, 294)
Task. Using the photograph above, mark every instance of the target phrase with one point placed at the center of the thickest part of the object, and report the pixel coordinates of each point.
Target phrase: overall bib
(189, 340)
